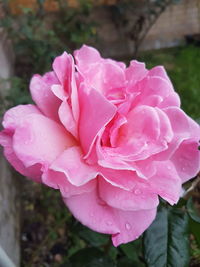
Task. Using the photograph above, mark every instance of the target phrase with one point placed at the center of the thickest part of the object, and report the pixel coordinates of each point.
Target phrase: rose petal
(92, 212)
(166, 182)
(95, 112)
(33, 172)
(58, 180)
(71, 163)
(137, 199)
(14, 116)
(40, 140)
(40, 87)
(132, 224)
(186, 160)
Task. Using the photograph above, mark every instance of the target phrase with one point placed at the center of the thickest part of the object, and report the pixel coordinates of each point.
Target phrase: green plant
(38, 36)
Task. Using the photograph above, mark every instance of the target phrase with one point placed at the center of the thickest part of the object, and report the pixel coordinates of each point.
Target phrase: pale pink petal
(137, 199)
(67, 119)
(101, 74)
(92, 212)
(72, 164)
(186, 160)
(132, 224)
(135, 73)
(166, 182)
(95, 112)
(58, 180)
(160, 72)
(86, 56)
(33, 172)
(40, 140)
(65, 70)
(47, 102)
(14, 116)
(185, 128)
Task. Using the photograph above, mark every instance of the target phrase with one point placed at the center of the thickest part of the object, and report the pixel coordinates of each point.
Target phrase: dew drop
(168, 167)
(183, 169)
(91, 214)
(128, 226)
(137, 191)
(109, 223)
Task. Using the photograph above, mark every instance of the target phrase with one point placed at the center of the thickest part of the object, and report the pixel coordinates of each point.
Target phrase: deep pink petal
(40, 140)
(95, 112)
(40, 87)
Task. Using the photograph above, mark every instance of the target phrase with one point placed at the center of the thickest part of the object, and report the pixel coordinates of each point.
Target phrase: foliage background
(50, 235)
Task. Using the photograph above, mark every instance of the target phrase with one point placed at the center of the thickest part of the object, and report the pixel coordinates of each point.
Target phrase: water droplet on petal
(168, 167)
(109, 223)
(183, 169)
(137, 191)
(128, 226)
(91, 214)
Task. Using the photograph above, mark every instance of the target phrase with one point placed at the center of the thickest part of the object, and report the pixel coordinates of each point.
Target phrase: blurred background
(40, 231)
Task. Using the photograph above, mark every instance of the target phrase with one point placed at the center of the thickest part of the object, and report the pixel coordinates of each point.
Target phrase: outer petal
(95, 113)
(71, 163)
(132, 224)
(186, 160)
(33, 172)
(14, 116)
(91, 211)
(40, 140)
(166, 182)
(58, 180)
(99, 73)
(125, 226)
(127, 200)
(42, 95)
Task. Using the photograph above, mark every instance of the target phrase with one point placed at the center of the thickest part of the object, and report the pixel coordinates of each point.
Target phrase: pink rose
(110, 138)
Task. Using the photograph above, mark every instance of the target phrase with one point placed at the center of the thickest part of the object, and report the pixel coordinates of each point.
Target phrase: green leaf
(132, 251)
(93, 238)
(91, 257)
(166, 241)
(195, 230)
(192, 210)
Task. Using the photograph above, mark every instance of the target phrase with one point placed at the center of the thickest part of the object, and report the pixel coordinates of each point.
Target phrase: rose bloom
(111, 138)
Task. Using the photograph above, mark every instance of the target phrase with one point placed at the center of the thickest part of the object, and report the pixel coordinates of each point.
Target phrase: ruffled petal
(58, 180)
(71, 163)
(47, 102)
